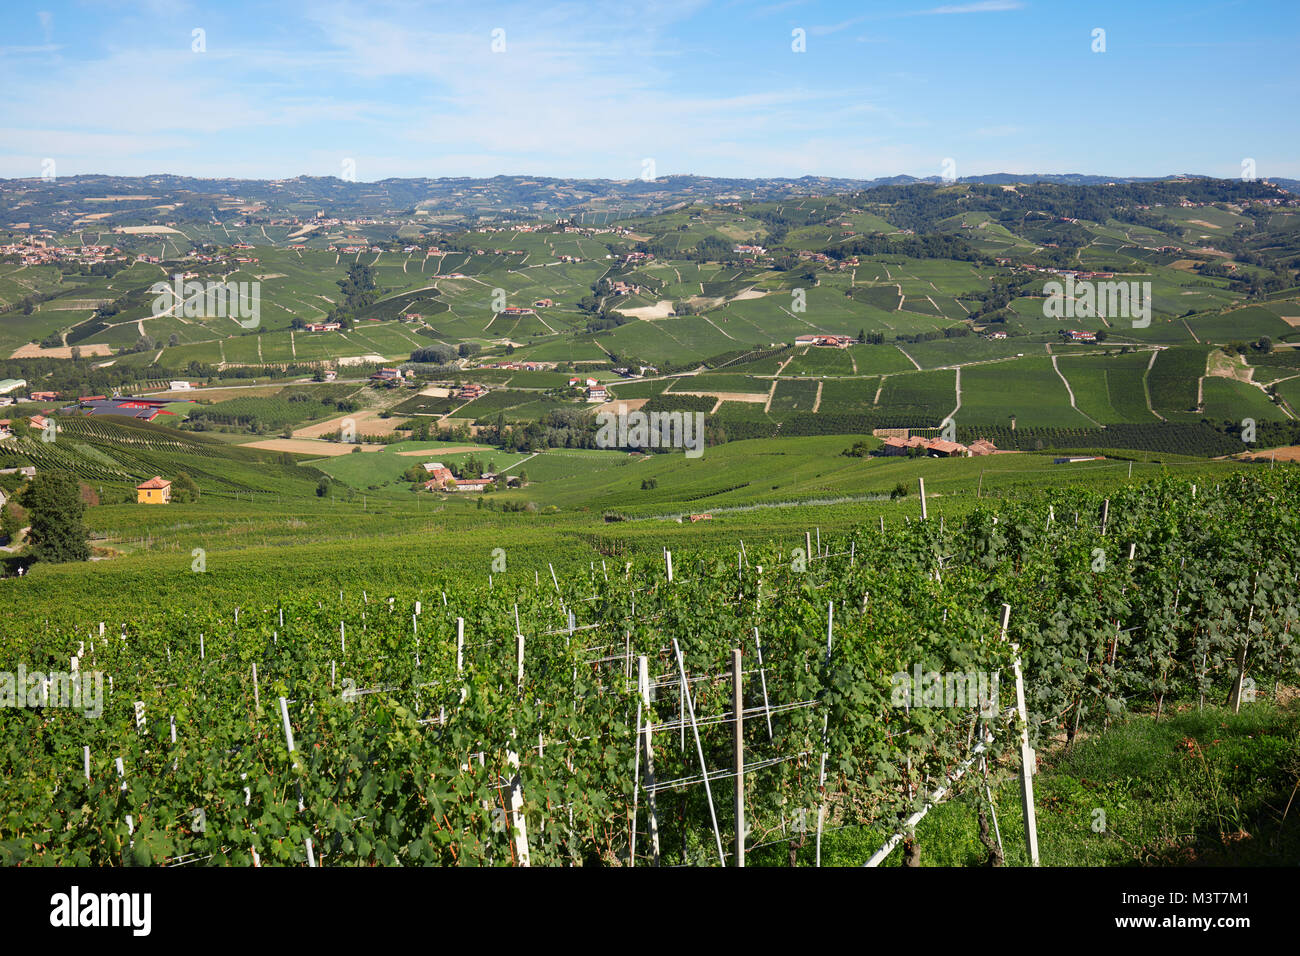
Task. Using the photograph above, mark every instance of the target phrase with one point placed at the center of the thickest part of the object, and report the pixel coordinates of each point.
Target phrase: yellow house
(155, 491)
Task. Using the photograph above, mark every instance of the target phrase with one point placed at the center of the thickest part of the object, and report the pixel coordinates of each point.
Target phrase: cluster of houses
(520, 366)
(937, 447)
(471, 391)
(36, 252)
(593, 390)
(619, 287)
(7, 426)
(440, 478)
(831, 341)
(1078, 274)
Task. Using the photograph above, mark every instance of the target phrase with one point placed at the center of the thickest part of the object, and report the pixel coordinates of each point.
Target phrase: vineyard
(590, 718)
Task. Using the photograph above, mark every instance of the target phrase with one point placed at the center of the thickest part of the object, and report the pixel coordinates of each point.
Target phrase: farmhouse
(1074, 335)
(472, 484)
(156, 491)
(835, 341)
(471, 391)
(937, 447)
(543, 304)
(438, 475)
(387, 375)
(323, 326)
(517, 310)
(597, 393)
(181, 386)
(44, 396)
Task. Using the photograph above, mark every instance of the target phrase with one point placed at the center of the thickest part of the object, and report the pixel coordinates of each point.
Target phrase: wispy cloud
(821, 31)
(982, 6)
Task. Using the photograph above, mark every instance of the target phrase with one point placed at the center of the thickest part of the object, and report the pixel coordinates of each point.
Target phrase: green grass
(1194, 789)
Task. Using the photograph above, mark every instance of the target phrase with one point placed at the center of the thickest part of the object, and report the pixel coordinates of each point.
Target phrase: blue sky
(593, 89)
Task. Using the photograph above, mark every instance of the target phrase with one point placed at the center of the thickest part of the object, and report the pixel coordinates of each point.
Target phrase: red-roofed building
(156, 491)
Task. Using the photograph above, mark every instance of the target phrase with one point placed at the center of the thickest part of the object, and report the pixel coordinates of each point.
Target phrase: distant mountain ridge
(457, 201)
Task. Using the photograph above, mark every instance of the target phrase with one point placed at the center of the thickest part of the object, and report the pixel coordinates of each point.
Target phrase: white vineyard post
(85, 758)
(762, 679)
(460, 654)
(257, 697)
(807, 545)
(1105, 516)
(284, 716)
(1027, 758)
(924, 513)
(519, 658)
(699, 749)
(739, 703)
(643, 682)
(517, 807)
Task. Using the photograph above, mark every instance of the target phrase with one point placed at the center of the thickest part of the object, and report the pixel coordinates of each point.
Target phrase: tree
(184, 489)
(11, 521)
(322, 488)
(55, 512)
